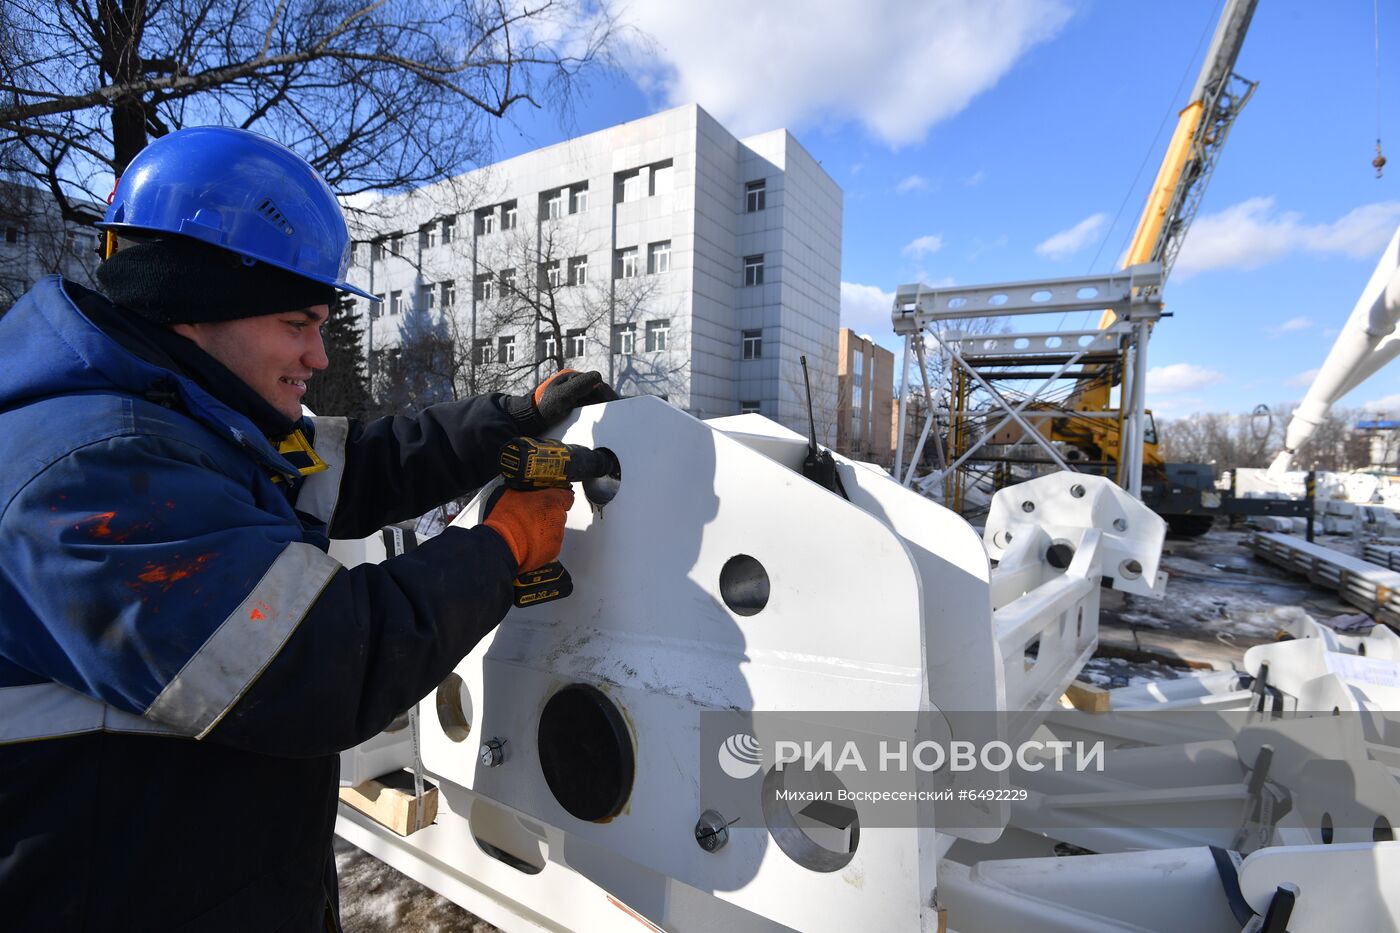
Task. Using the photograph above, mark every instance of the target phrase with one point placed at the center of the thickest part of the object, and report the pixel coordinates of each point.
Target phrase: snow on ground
(1217, 591)
(375, 898)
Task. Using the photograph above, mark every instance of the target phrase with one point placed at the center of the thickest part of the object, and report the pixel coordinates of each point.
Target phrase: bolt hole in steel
(454, 708)
(1077, 490)
(1130, 569)
(1002, 539)
(1326, 829)
(586, 753)
(743, 585)
(1059, 554)
(819, 835)
(1028, 506)
(1382, 831)
(1120, 524)
(601, 490)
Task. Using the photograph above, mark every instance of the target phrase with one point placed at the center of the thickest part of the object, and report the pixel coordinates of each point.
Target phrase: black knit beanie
(178, 280)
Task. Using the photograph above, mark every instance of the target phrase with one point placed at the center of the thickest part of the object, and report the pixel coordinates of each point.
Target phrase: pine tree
(421, 370)
(342, 389)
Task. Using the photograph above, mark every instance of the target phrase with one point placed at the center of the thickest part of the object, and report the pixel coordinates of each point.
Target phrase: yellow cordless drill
(543, 463)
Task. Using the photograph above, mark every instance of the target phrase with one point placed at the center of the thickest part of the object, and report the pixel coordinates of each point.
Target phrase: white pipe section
(1367, 342)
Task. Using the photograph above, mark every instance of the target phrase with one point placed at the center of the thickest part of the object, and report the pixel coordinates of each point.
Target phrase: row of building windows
(633, 185)
(555, 274)
(657, 333)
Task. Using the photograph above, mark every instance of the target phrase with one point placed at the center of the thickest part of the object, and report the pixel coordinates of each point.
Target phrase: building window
(485, 221)
(376, 251)
(625, 264)
(507, 282)
(553, 204)
(548, 346)
(573, 343)
(629, 186)
(482, 352)
(376, 307)
(753, 270)
(578, 270)
(396, 244)
(755, 196)
(749, 407)
(485, 287)
(448, 294)
(658, 335)
(396, 302)
(425, 297)
(551, 274)
(509, 215)
(505, 352)
(659, 257)
(857, 361)
(753, 344)
(449, 229)
(14, 235)
(624, 339)
(660, 178)
(427, 237)
(578, 198)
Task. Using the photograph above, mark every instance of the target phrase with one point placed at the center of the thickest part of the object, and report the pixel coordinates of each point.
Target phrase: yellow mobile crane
(1174, 490)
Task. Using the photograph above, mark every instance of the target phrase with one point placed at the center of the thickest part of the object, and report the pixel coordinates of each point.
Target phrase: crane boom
(1201, 129)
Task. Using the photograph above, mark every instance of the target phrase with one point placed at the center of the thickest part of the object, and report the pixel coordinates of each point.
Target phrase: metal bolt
(1077, 491)
(493, 752)
(1120, 524)
(1028, 506)
(712, 831)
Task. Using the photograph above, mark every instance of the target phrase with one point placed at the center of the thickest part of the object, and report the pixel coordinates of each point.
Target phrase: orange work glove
(531, 522)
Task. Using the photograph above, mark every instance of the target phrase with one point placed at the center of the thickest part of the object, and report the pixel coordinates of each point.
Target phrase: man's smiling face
(275, 354)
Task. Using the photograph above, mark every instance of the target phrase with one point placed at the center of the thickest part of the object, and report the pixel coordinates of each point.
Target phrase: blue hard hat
(239, 191)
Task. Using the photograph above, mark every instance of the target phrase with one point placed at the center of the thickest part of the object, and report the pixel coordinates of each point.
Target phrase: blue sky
(980, 141)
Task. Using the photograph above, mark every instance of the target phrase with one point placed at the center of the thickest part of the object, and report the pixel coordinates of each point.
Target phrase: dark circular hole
(743, 585)
(586, 753)
(1059, 555)
(601, 490)
(1326, 829)
(454, 708)
(1382, 831)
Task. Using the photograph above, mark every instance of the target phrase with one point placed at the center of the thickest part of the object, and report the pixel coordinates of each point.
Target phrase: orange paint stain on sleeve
(167, 575)
(101, 524)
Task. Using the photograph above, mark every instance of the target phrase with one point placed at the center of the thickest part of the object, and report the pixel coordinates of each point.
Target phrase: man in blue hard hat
(180, 660)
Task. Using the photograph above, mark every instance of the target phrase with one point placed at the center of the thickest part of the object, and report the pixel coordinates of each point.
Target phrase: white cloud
(975, 179)
(1180, 377)
(866, 309)
(1389, 404)
(911, 183)
(1290, 325)
(837, 62)
(1303, 379)
(1254, 232)
(923, 246)
(1068, 242)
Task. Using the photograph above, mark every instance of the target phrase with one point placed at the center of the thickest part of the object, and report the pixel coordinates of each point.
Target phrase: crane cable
(1379, 161)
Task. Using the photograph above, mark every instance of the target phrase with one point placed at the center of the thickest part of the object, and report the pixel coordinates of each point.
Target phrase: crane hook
(1379, 161)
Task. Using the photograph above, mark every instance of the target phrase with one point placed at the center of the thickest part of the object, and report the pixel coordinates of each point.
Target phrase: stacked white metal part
(718, 578)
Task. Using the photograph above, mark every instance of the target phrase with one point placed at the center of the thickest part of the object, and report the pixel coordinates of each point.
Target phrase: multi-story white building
(36, 241)
(676, 259)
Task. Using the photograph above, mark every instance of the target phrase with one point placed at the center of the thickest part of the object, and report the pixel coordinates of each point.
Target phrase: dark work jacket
(180, 660)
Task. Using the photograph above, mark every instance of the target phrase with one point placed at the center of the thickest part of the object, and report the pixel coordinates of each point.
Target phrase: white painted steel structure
(1133, 295)
(885, 602)
(1367, 342)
